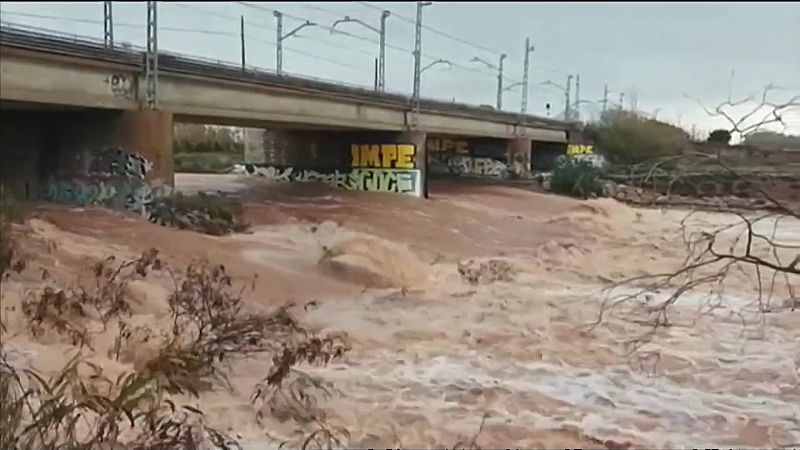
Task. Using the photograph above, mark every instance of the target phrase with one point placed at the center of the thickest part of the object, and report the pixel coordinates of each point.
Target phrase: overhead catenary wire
(188, 30)
(396, 48)
(456, 38)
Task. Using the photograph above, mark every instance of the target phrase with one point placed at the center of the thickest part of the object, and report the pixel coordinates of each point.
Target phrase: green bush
(576, 178)
(210, 214)
(624, 137)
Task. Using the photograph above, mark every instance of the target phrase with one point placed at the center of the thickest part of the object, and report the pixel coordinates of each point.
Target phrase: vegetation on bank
(206, 149)
(80, 406)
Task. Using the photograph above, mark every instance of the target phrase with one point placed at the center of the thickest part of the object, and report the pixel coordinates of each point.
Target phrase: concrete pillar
(148, 132)
(418, 139)
(254, 151)
(518, 155)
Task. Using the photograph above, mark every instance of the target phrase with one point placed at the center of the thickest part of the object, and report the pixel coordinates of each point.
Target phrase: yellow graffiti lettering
(389, 154)
(405, 156)
(580, 149)
(434, 145)
(383, 156)
(370, 156)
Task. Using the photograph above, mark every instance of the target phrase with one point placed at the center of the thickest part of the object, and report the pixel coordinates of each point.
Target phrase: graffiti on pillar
(116, 161)
(369, 167)
(116, 179)
(447, 145)
(580, 149)
(121, 85)
(458, 158)
(465, 165)
(398, 181)
(383, 156)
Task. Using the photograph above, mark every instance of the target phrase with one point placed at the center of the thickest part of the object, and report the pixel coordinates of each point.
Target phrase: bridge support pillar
(255, 151)
(418, 139)
(518, 155)
(148, 132)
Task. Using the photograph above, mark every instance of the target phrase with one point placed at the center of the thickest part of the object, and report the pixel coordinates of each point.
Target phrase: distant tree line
(192, 138)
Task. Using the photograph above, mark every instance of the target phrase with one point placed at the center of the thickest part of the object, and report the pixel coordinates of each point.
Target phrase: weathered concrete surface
(66, 81)
(47, 78)
(149, 133)
(254, 148)
(37, 144)
(519, 156)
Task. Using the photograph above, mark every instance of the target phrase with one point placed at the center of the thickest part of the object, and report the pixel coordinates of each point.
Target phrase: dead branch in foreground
(713, 255)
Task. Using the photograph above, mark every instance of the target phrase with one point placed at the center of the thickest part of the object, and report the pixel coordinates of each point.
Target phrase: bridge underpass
(61, 103)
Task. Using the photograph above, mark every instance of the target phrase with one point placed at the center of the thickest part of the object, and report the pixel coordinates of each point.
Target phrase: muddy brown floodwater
(432, 353)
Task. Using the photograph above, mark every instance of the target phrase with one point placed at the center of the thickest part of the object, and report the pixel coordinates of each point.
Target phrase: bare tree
(760, 114)
(749, 246)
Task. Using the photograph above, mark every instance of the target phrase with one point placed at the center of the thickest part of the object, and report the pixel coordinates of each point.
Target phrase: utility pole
(380, 85)
(500, 83)
(417, 62)
(376, 74)
(578, 97)
(382, 55)
(525, 68)
(108, 25)
(605, 97)
(499, 69)
(279, 46)
(622, 101)
(567, 111)
(241, 34)
(281, 37)
(151, 57)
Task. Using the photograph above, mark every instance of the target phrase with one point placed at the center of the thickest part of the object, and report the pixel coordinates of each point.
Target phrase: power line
(187, 30)
(372, 41)
(456, 38)
(434, 31)
(119, 24)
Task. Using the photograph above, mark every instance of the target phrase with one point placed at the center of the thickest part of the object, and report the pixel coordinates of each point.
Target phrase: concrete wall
(367, 161)
(464, 156)
(47, 78)
(37, 145)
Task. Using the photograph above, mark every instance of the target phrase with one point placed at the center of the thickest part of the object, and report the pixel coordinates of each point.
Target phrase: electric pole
(622, 101)
(578, 97)
(241, 35)
(380, 85)
(526, 66)
(281, 37)
(108, 25)
(417, 62)
(151, 57)
(279, 50)
(376, 74)
(500, 83)
(605, 97)
(499, 69)
(567, 110)
(382, 56)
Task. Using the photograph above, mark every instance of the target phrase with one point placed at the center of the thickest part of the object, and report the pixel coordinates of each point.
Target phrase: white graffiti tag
(401, 181)
(464, 165)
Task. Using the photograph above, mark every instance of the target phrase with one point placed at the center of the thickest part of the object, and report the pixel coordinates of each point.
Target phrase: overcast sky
(656, 53)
